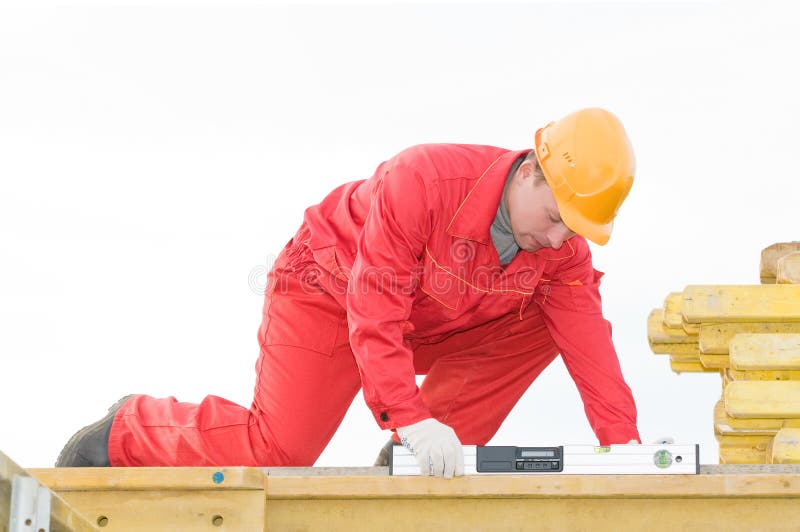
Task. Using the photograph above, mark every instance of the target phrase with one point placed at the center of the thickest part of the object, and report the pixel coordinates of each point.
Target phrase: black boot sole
(69, 454)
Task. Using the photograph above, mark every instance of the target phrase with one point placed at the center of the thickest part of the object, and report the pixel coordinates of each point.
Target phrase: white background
(153, 156)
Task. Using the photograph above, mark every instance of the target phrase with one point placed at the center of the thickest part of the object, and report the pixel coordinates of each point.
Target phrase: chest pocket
(441, 284)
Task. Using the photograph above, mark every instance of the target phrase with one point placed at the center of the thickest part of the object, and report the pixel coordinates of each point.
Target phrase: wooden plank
(672, 317)
(731, 375)
(768, 399)
(788, 269)
(756, 441)
(657, 333)
(785, 448)
(150, 478)
(685, 358)
(169, 509)
(765, 352)
(742, 455)
(63, 516)
(714, 361)
(672, 311)
(769, 259)
(714, 338)
(741, 303)
(339, 484)
(753, 469)
(724, 424)
(688, 364)
(689, 367)
(676, 349)
(743, 514)
(532, 486)
(180, 498)
(289, 499)
(692, 329)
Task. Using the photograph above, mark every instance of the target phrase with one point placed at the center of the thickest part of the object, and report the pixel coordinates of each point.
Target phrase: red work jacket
(411, 257)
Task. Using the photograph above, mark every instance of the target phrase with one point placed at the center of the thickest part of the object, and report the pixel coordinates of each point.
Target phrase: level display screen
(537, 453)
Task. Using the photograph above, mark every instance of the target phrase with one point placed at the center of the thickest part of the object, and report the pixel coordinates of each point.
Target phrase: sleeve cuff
(401, 414)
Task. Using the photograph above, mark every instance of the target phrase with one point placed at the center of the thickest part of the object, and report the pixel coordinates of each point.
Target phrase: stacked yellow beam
(750, 335)
(770, 257)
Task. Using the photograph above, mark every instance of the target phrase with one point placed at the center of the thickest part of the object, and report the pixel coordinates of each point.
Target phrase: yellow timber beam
(768, 399)
(741, 303)
(679, 367)
(673, 315)
(741, 455)
(765, 352)
(785, 448)
(788, 269)
(725, 424)
(730, 375)
(676, 349)
(672, 311)
(715, 361)
(658, 333)
(715, 338)
(770, 256)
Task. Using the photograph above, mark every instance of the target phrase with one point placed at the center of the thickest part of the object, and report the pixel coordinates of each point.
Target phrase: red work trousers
(307, 378)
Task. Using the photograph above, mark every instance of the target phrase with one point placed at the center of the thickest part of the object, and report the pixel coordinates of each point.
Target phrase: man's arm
(381, 292)
(379, 298)
(573, 313)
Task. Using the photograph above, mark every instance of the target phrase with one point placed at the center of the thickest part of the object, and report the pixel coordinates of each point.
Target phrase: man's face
(535, 220)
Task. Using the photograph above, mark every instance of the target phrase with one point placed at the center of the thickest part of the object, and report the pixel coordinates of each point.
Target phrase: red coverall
(390, 277)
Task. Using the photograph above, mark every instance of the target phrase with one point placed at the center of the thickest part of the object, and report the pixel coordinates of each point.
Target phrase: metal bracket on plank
(30, 506)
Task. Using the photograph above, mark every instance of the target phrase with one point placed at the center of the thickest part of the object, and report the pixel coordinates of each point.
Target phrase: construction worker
(468, 264)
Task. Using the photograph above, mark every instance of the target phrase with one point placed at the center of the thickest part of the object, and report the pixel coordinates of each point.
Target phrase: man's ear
(526, 169)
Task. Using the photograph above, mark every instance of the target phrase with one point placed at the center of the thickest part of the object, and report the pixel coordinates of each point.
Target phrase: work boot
(385, 454)
(89, 446)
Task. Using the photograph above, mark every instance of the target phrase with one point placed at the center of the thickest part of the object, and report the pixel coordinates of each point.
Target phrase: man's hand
(436, 447)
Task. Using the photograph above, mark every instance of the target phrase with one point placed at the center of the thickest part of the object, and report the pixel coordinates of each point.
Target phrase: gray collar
(502, 236)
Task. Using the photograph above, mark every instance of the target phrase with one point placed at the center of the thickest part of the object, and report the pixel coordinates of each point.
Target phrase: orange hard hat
(588, 162)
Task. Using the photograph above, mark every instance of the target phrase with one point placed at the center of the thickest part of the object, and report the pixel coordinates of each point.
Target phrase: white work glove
(436, 447)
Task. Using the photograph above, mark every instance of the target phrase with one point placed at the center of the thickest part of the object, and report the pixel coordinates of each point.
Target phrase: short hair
(537, 170)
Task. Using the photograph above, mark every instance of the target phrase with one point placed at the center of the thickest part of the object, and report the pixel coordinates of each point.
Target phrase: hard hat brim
(597, 233)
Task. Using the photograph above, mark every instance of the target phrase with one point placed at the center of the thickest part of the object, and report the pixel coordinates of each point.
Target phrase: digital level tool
(675, 459)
